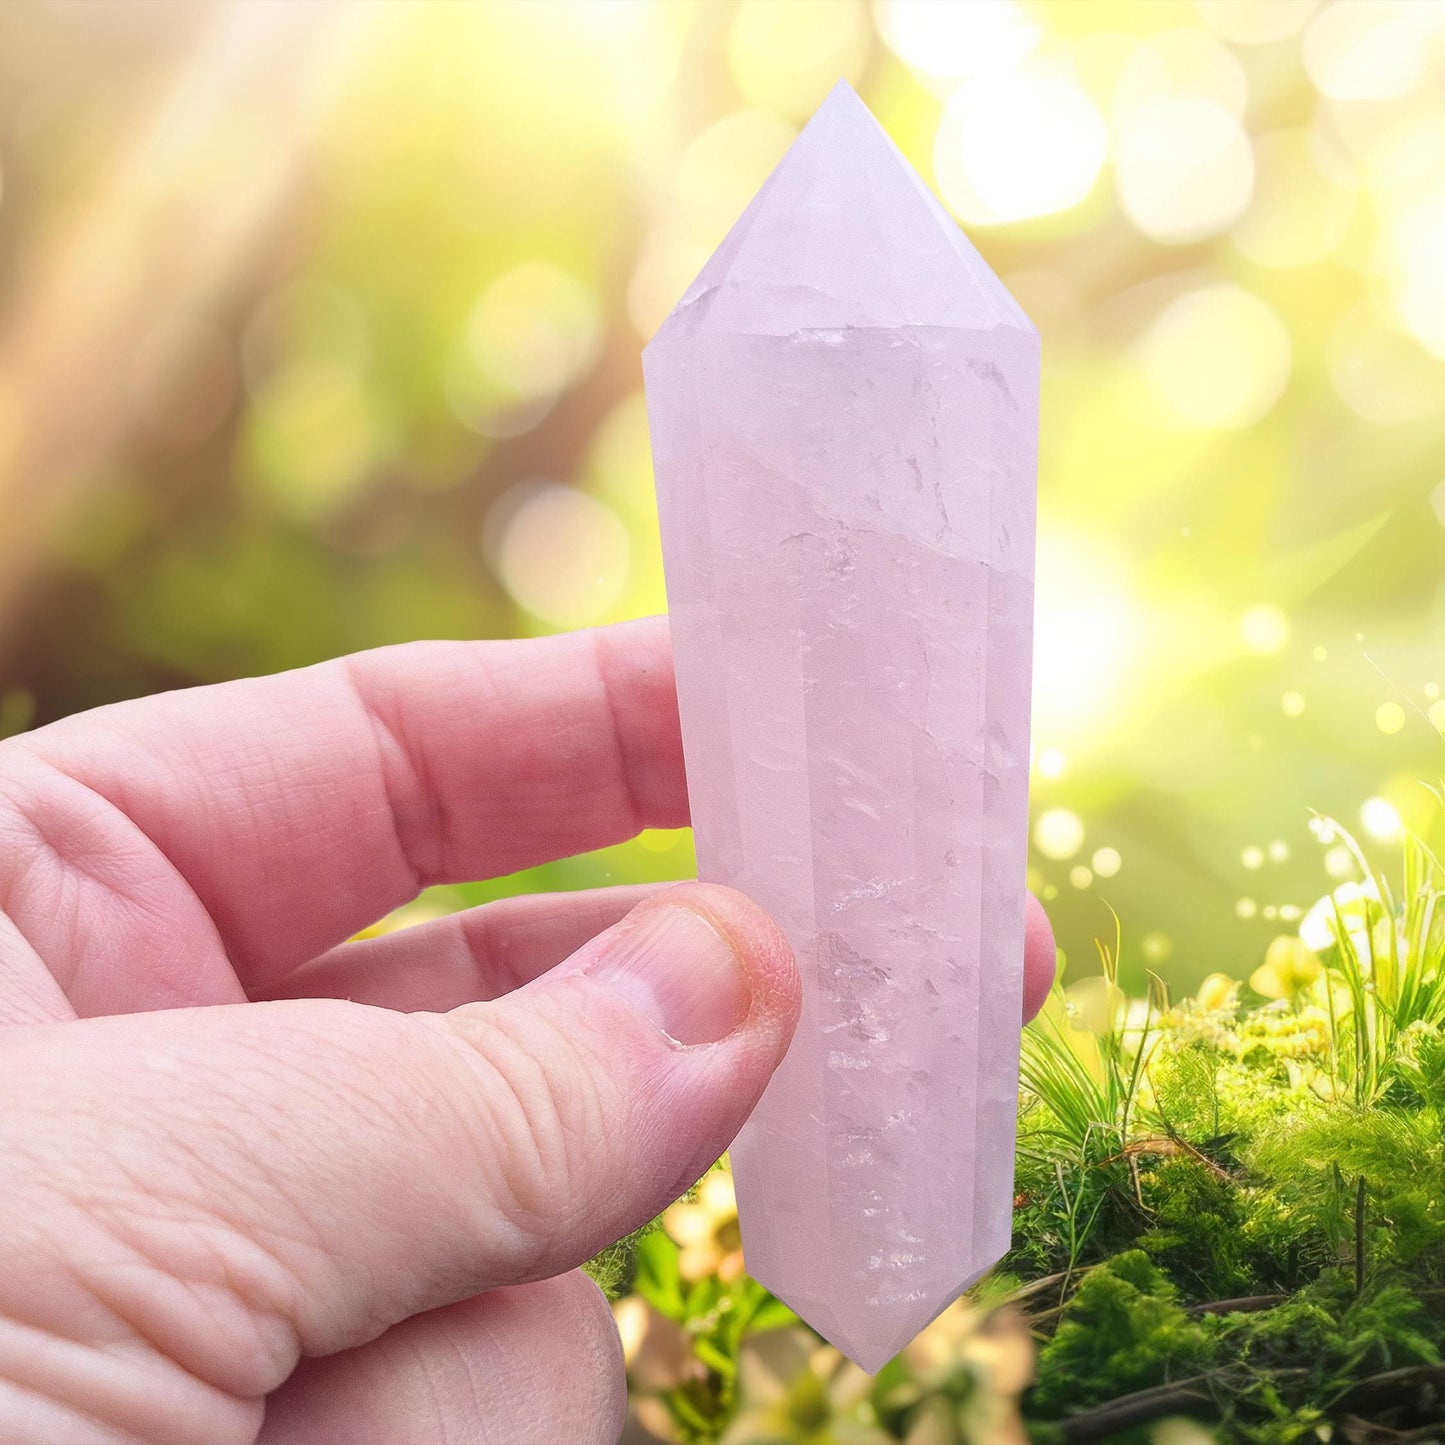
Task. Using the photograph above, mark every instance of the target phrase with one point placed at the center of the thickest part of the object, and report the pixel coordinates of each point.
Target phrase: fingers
(300, 807)
(1040, 957)
(29, 992)
(485, 952)
(477, 954)
(534, 1364)
(229, 1189)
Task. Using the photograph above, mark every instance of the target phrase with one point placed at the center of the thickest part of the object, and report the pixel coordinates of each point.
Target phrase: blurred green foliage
(319, 329)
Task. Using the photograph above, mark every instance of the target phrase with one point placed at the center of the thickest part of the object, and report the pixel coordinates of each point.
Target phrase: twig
(1167, 1147)
(1135, 1409)
(1388, 1387)
(1247, 1304)
(1357, 1428)
(1038, 1286)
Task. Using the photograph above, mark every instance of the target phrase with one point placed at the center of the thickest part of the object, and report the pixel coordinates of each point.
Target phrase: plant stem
(1360, 1236)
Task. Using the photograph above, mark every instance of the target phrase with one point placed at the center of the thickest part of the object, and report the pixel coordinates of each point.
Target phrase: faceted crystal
(844, 413)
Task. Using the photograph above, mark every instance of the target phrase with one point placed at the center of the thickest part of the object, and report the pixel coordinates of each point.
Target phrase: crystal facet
(844, 414)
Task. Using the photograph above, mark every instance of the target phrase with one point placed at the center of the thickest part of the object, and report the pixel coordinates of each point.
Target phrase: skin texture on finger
(535, 1364)
(29, 992)
(478, 954)
(30, 1417)
(149, 847)
(485, 952)
(209, 1196)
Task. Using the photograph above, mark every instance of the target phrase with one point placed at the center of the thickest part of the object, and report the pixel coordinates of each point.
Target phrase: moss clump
(1197, 1214)
(1123, 1330)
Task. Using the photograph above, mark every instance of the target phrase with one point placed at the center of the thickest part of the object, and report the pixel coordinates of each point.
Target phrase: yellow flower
(1314, 1023)
(705, 1228)
(1096, 1005)
(1314, 1079)
(1190, 1022)
(1288, 1033)
(1058, 1021)
(796, 1391)
(1218, 994)
(1289, 968)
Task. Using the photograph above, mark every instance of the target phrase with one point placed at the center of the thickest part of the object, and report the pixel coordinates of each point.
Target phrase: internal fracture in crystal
(844, 414)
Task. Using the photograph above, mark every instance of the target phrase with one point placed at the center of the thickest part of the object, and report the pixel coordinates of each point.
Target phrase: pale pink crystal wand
(844, 414)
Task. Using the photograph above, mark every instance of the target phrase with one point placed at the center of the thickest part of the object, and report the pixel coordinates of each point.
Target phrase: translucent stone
(844, 414)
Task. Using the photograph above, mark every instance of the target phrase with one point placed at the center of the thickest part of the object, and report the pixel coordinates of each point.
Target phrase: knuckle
(132, 1270)
(542, 1110)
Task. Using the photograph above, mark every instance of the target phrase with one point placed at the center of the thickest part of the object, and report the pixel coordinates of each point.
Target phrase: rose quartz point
(844, 414)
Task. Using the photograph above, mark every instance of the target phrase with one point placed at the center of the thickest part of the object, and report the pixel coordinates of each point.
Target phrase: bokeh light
(1299, 213)
(313, 436)
(1107, 862)
(1059, 833)
(1182, 62)
(532, 332)
(1416, 242)
(298, 359)
(1184, 168)
(1389, 717)
(1017, 145)
(1381, 820)
(559, 552)
(947, 40)
(1256, 22)
(1381, 372)
(1218, 357)
(1086, 634)
(1265, 629)
(1052, 762)
(1371, 49)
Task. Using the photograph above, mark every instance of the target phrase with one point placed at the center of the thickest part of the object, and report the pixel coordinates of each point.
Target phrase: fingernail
(674, 967)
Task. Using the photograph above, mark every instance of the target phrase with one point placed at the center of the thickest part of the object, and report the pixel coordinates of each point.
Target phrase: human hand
(294, 1218)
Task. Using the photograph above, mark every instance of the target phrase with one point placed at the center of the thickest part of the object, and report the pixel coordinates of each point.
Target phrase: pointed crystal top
(844, 233)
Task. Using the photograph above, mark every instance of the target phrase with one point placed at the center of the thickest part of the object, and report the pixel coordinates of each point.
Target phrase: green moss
(1123, 1330)
(1196, 1234)
(1312, 1348)
(1366, 1186)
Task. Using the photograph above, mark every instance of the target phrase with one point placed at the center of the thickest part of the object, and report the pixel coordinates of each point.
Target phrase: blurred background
(320, 328)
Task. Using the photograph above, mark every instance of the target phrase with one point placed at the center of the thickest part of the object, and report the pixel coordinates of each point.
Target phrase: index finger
(300, 807)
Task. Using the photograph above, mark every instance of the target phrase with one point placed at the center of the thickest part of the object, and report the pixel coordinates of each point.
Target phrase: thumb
(224, 1190)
